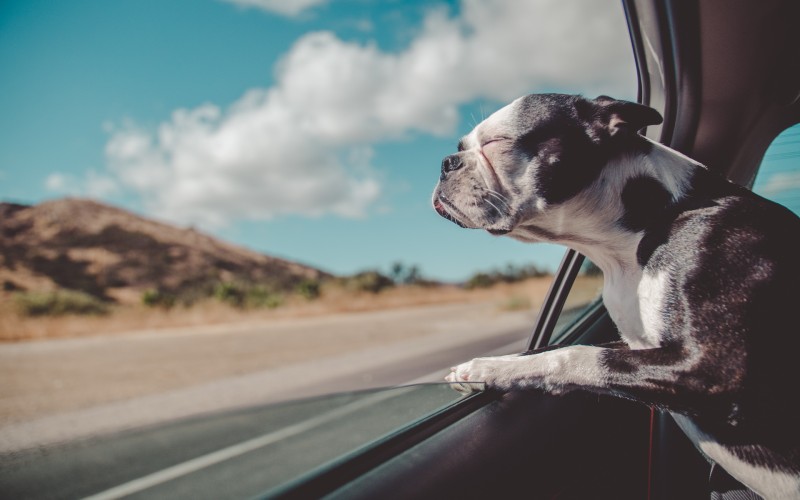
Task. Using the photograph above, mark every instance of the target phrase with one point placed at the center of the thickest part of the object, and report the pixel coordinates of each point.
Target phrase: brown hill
(113, 254)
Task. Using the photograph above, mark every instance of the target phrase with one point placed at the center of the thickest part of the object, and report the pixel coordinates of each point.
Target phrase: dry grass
(334, 300)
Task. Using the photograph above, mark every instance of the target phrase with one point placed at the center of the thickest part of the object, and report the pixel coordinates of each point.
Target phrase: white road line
(236, 450)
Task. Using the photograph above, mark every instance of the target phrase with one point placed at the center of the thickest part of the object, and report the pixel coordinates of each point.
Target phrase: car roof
(723, 114)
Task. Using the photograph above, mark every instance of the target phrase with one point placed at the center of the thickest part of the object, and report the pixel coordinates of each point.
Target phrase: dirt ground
(130, 318)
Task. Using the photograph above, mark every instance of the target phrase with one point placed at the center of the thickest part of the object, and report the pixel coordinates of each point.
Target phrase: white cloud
(303, 146)
(60, 183)
(94, 185)
(284, 7)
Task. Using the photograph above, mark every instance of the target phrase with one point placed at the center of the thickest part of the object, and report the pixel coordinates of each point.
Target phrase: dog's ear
(609, 117)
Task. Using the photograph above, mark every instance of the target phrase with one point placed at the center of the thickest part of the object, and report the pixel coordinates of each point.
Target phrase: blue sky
(311, 130)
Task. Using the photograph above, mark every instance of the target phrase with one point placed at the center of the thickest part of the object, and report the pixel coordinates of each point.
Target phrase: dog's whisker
(499, 197)
(501, 202)
(493, 206)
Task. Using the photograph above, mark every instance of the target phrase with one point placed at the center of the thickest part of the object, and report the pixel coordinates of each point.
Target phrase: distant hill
(116, 255)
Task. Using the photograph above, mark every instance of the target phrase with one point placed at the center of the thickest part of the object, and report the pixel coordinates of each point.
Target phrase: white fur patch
(651, 291)
(768, 483)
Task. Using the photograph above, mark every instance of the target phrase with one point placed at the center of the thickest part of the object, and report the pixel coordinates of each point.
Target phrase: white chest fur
(635, 302)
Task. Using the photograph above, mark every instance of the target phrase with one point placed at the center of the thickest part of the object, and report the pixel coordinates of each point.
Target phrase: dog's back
(734, 262)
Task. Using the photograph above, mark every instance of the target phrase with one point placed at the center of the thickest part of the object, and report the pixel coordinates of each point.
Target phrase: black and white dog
(701, 276)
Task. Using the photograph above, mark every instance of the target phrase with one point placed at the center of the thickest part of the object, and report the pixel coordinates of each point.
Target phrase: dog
(700, 275)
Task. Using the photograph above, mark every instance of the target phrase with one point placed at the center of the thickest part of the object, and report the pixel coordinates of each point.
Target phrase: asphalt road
(235, 450)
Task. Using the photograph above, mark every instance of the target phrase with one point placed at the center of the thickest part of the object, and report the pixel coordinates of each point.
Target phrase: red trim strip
(650, 453)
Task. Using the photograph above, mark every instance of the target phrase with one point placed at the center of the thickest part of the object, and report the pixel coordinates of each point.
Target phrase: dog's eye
(495, 141)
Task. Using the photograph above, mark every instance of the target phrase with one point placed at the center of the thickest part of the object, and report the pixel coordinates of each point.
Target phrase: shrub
(259, 296)
(59, 303)
(368, 281)
(480, 280)
(230, 293)
(309, 288)
(244, 295)
(154, 298)
(511, 274)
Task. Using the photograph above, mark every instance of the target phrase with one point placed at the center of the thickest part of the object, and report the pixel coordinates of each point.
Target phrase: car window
(583, 297)
(246, 453)
(779, 175)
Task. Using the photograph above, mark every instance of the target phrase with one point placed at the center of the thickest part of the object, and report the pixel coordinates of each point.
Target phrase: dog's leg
(554, 370)
(661, 376)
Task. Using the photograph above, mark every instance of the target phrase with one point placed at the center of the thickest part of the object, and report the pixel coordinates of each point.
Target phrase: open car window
(779, 176)
(584, 298)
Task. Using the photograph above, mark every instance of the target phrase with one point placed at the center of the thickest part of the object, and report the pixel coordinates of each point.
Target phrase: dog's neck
(591, 222)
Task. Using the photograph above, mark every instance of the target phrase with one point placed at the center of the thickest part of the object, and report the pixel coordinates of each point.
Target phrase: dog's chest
(635, 300)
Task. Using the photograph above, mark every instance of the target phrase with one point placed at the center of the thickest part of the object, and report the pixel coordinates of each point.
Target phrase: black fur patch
(643, 198)
(568, 151)
(568, 160)
(706, 190)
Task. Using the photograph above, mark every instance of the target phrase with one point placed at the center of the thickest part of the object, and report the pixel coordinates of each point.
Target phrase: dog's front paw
(480, 372)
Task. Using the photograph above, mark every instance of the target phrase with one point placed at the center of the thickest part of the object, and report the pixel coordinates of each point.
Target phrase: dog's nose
(450, 163)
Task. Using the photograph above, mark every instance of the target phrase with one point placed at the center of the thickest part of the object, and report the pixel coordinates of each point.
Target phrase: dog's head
(538, 152)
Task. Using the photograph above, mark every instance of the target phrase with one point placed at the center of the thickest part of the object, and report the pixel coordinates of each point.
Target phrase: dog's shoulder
(720, 224)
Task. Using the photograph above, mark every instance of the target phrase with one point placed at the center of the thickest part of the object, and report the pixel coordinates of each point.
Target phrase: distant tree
(407, 275)
(413, 275)
(397, 271)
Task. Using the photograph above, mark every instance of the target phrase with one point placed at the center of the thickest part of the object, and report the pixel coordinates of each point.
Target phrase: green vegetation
(245, 295)
(58, 303)
(367, 281)
(158, 298)
(237, 294)
(511, 274)
(259, 296)
(309, 288)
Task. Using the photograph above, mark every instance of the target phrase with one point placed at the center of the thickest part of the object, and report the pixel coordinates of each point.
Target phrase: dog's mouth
(446, 209)
(443, 207)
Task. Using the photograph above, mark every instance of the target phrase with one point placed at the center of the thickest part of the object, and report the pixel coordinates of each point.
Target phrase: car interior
(725, 76)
